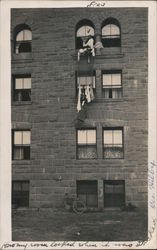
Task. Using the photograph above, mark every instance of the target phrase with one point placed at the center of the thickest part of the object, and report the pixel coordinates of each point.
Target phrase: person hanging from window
(88, 46)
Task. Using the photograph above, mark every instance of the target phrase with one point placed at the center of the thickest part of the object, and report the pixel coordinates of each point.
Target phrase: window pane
(91, 136)
(106, 30)
(116, 93)
(82, 137)
(86, 80)
(115, 30)
(17, 137)
(86, 152)
(27, 83)
(18, 153)
(25, 186)
(113, 152)
(109, 188)
(116, 79)
(117, 136)
(107, 80)
(85, 31)
(16, 186)
(19, 83)
(27, 35)
(81, 80)
(20, 36)
(108, 137)
(26, 137)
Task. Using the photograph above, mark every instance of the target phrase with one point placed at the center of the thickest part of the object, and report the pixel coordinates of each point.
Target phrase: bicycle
(74, 203)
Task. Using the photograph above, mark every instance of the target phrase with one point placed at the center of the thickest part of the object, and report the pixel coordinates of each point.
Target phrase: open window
(113, 147)
(114, 193)
(112, 84)
(85, 88)
(111, 34)
(87, 191)
(86, 144)
(84, 29)
(22, 88)
(21, 144)
(23, 39)
(20, 193)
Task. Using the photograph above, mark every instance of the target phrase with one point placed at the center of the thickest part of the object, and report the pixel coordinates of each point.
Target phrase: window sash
(111, 31)
(21, 153)
(24, 35)
(23, 83)
(22, 95)
(86, 137)
(22, 137)
(85, 81)
(113, 137)
(85, 31)
(111, 80)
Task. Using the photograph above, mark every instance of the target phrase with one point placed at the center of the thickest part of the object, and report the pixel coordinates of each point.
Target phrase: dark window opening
(113, 147)
(87, 191)
(111, 42)
(114, 193)
(23, 47)
(86, 144)
(20, 193)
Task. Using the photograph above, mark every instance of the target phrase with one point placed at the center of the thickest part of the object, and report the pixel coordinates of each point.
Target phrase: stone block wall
(51, 115)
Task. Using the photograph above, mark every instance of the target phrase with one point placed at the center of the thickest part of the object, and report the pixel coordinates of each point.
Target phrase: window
(86, 144)
(111, 33)
(112, 84)
(20, 193)
(22, 88)
(21, 145)
(114, 193)
(87, 191)
(84, 81)
(84, 29)
(23, 41)
(113, 143)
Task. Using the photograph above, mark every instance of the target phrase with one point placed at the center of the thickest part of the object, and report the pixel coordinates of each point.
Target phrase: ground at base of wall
(68, 226)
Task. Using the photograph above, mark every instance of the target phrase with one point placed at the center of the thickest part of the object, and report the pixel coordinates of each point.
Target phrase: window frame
(84, 74)
(17, 30)
(113, 128)
(85, 145)
(88, 181)
(22, 76)
(84, 22)
(110, 88)
(111, 40)
(21, 146)
(114, 181)
(28, 191)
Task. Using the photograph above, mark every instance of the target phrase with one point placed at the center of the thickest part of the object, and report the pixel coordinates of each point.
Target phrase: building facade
(79, 125)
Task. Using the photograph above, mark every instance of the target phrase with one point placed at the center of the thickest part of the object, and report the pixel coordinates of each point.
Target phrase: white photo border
(5, 124)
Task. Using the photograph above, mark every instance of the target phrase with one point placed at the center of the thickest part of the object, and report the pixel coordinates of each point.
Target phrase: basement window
(21, 145)
(112, 84)
(22, 88)
(114, 193)
(20, 193)
(23, 41)
(87, 192)
(113, 143)
(86, 144)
